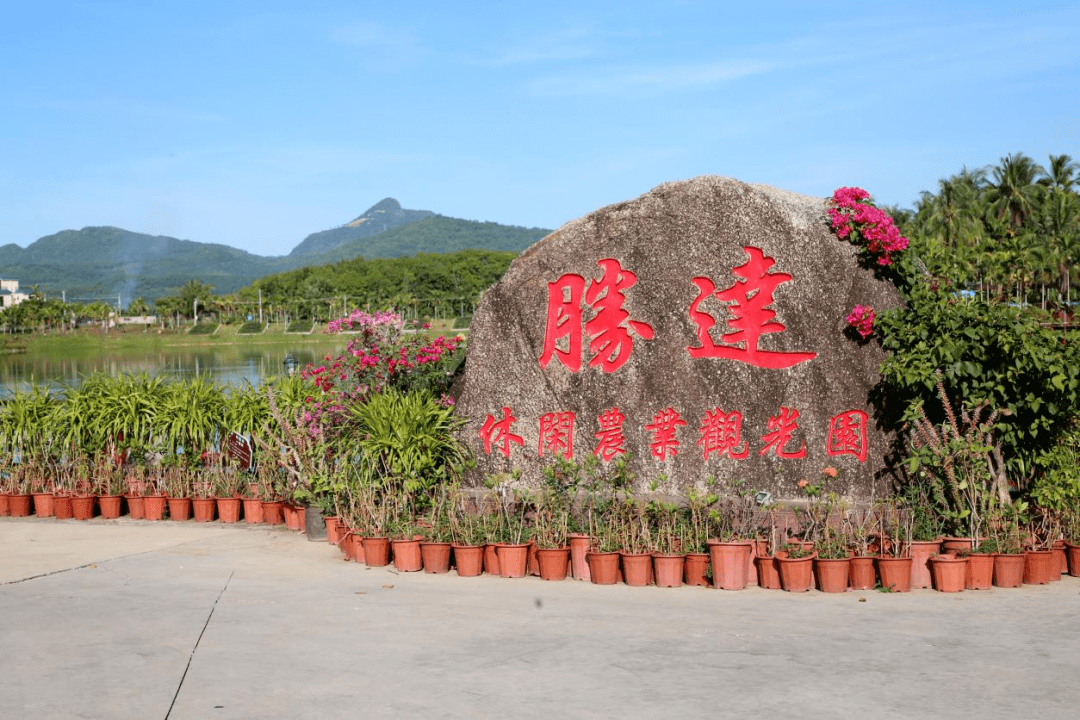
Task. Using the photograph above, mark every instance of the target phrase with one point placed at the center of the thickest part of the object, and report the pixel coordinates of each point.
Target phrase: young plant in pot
(894, 536)
(109, 486)
(668, 535)
(832, 564)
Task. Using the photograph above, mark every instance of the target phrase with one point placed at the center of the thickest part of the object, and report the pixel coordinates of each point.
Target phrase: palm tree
(1062, 174)
(1014, 194)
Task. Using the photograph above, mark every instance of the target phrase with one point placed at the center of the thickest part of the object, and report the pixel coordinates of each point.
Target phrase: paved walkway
(135, 619)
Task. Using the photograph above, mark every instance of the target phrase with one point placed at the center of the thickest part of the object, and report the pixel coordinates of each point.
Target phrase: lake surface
(234, 365)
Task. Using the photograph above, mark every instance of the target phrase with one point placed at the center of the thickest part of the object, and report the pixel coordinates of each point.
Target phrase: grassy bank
(89, 341)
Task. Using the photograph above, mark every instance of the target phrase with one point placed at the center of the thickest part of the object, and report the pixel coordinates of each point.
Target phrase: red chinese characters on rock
(721, 433)
(847, 435)
(780, 429)
(610, 439)
(609, 331)
(557, 434)
(498, 433)
(663, 428)
(749, 299)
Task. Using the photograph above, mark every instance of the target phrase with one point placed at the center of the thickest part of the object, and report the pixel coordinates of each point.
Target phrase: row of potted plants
(81, 488)
(583, 517)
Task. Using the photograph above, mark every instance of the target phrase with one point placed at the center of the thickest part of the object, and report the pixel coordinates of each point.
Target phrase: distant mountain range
(98, 263)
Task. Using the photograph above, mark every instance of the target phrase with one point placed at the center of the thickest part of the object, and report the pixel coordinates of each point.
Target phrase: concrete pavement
(137, 619)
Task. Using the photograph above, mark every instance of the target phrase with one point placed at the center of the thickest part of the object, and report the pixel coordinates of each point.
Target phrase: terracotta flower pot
(376, 552)
(273, 512)
(668, 570)
(534, 562)
(203, 509)
(180, 509)
(61, 507)
(861, 575)
(349, 542)
(154, 507)
(637, 567)
(921, 551)
(1062, 560)
(82, 507)
(491, 559)
(293, 516)
(1009, 570)
(435, 557)
(1073, 554)
(957, 545)
(1039, 565)
(553, 562)
(948, 573)
(228, 509)
(895, 573)
(19, 505)
(603, 567)
(5, 504)
(136, 507)
(333, 534)
(513, 560)
(695, 567)
(729, 561)
(253, 512)
(832, 575)
(43, 504)
(407, 556)
(579, 547)
(979, 574)
(469, 560)
(768, 573)
(796, 574)
(110, 506)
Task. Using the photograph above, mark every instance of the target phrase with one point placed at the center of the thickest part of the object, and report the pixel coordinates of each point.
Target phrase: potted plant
(552, 506)
(227, 487)
(436, 548)
(203, 500)
(1006, 530)
(179, 489)
(796, 564)
(832, 564)
(894, 564)
(109, 486)
(698, 531)
(859, 524)
(668, 534)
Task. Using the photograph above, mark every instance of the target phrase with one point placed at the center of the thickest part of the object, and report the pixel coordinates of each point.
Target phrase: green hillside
(435, 234)
(107, 262)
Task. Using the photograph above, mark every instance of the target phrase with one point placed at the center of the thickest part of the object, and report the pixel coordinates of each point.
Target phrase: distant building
(9, 293)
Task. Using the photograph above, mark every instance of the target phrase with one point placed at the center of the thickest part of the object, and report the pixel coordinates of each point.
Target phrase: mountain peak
(383, 215)
(386, 205)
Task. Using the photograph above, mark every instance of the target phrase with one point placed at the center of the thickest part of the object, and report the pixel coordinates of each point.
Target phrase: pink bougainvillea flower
(803, 483)
(862, 319)
(830, 471)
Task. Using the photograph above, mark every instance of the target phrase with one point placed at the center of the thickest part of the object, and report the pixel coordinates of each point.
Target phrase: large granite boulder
(697, 331)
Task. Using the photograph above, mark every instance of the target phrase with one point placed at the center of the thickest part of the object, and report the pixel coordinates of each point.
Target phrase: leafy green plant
(407, 441)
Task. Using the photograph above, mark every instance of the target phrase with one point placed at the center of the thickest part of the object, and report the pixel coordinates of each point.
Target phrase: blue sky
(254, 124)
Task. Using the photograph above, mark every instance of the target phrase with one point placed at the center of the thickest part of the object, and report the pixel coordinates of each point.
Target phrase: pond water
(234, 365)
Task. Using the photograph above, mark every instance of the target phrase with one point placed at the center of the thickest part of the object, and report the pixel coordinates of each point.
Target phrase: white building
(9, 293)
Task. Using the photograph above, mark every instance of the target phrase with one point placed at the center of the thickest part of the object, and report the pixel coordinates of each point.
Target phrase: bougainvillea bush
(382, 355)
(967, 349)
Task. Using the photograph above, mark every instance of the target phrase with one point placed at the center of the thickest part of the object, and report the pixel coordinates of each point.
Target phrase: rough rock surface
(723, 233)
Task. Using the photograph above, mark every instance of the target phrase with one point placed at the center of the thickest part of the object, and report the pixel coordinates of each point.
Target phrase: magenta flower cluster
(360, 321)
(862, 319)
(854, 218)
(375, 359)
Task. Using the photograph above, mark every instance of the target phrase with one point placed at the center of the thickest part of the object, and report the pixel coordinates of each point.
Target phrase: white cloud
(383, 48)
(569, 44)
(621, 79)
